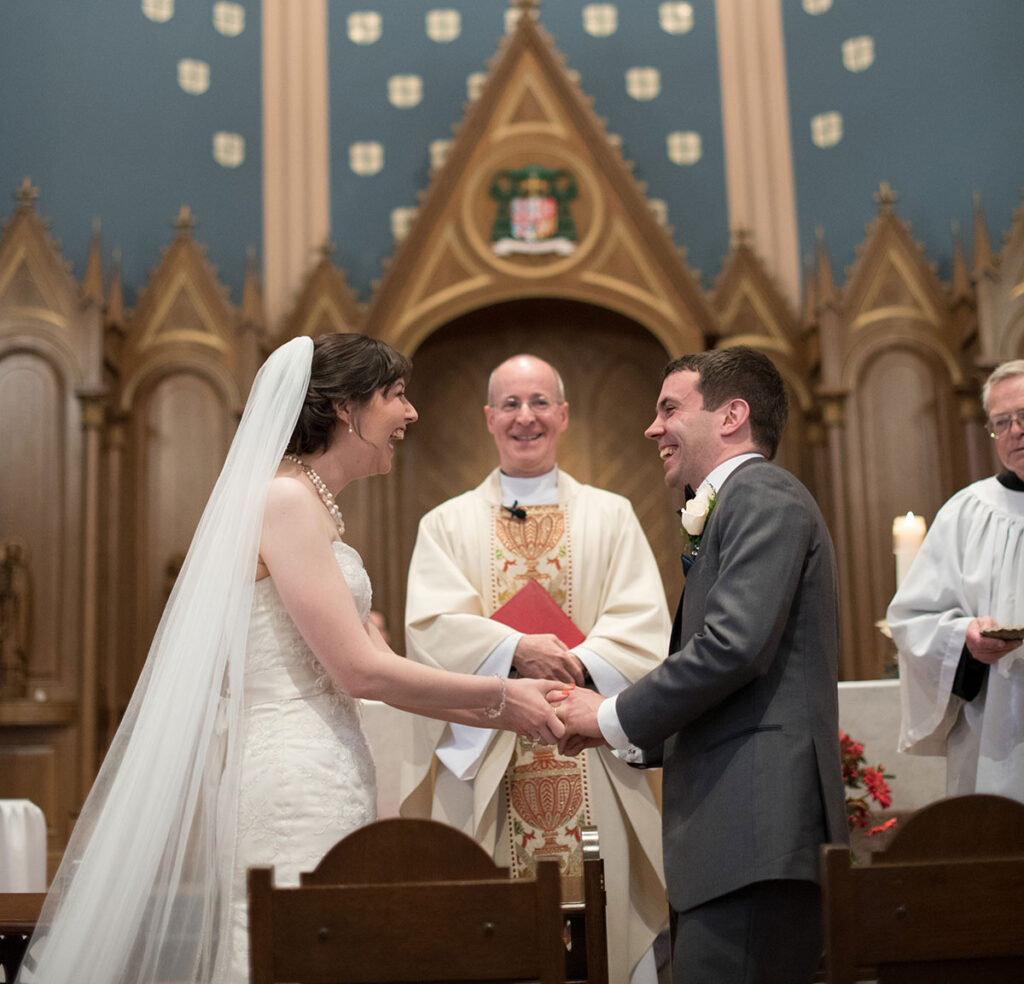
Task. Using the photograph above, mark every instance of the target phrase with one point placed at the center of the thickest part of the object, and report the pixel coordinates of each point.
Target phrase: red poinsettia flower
(891, 822)
(874, 779)
(866, 783)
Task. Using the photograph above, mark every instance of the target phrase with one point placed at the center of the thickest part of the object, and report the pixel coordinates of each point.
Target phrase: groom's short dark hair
(744, 373)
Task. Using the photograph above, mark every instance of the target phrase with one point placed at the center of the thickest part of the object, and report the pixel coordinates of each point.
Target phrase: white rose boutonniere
(694, 515)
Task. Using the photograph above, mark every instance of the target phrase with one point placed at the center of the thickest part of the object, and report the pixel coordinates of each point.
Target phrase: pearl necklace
(325, 496)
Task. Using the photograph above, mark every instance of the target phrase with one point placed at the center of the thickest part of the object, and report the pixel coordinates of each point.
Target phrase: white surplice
(970, 565)
(618, 602)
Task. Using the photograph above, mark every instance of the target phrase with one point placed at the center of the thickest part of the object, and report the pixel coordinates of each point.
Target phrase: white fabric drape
(142, 892)
(22, 846)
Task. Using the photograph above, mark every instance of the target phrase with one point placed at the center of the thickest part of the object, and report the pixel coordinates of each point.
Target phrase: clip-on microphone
(516, 511)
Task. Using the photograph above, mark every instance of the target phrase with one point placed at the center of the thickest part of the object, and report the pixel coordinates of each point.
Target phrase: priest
(956, 618)
(530, 524)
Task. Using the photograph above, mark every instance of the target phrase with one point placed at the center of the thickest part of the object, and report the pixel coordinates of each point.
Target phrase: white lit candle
(907, 537)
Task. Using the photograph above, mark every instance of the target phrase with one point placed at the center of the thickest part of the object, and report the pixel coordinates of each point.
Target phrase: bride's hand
(528, 711)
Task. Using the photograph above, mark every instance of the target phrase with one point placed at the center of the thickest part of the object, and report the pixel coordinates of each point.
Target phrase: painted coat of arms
(533, 211)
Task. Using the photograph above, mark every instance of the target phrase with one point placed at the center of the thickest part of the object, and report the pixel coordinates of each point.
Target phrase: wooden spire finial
(27, 193)
(825, 287)
(885, 197)
(92, 286)
(742, 236)
(115, 299)
(961, 277)
(983, 259)
(185, 222)
(252, 291)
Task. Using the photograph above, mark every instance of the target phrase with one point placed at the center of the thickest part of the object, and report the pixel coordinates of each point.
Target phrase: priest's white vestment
(971, 564)
(617, 600)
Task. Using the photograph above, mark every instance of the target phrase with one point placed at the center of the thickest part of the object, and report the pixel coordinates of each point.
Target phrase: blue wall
(938, 115)
(93, 113)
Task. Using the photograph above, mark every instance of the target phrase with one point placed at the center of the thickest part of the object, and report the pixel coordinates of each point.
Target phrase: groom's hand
(578, 712)
(574, 744)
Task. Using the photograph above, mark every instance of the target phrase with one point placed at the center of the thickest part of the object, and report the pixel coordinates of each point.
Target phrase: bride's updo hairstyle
(346, 369)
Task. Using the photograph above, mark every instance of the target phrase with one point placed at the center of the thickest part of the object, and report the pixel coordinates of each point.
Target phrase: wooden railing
(19, 913)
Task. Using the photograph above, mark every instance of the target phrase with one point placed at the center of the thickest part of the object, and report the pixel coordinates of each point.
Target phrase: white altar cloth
(22, 846)
(869, 711)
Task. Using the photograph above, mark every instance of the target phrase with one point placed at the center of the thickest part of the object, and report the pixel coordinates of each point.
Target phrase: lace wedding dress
(307, 774)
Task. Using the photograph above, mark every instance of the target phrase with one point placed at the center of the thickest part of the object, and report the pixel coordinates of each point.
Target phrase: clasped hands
(543, 656)
(576, 709)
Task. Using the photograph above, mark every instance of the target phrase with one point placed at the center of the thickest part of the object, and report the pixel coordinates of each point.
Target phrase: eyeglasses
(539, 405)
(1000, 426)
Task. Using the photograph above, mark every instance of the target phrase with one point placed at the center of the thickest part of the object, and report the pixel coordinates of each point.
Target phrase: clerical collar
(539, 490)
(1011, 480)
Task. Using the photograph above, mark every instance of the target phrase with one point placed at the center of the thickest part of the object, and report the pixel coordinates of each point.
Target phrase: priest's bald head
(526, 414)
(1003, 399)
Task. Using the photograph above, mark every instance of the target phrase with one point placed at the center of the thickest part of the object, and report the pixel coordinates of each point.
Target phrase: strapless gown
(307, 774)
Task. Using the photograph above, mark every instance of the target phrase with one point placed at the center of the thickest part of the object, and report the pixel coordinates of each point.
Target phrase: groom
(743, 713)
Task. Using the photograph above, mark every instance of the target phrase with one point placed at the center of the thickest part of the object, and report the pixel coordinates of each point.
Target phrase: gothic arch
(532, 119)
(867, 345)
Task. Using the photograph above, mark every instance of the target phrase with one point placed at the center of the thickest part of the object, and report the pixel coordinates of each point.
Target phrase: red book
(532, 610)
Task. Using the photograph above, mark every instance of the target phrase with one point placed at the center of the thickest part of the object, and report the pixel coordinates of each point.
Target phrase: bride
(242, 744)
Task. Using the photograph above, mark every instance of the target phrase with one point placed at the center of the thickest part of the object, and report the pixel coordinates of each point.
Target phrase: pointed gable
(751, 310)
(33, 275)
(1000, 287)
(891, 277)
(42, 307)
(533, 133)
(184, 300)
(750, 307)
(325, 303)
(891, 293)
(183, 318)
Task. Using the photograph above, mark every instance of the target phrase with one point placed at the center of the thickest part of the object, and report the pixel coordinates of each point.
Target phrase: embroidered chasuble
(524, 802)
(547, 794)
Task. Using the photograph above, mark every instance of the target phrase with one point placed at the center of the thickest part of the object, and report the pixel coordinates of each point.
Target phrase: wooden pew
(406, 900)
(945, 901)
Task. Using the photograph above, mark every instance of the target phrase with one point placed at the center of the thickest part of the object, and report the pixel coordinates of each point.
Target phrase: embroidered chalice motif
(547, 792)
(531, 538)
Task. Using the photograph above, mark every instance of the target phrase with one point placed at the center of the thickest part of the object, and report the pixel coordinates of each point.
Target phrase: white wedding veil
(142, 894)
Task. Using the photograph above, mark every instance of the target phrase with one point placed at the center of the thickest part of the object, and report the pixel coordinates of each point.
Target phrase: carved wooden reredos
(115, 421)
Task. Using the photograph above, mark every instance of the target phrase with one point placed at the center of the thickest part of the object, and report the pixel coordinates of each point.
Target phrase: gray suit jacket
(746, 705)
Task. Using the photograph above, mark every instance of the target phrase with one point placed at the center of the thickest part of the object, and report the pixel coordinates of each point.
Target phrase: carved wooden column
(250, 331)
(833, 413)
(816, 436)
(976, 440)
(93, 404)
(113, 698)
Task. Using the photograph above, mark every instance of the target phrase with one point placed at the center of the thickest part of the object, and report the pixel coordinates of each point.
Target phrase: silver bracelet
(493, 712)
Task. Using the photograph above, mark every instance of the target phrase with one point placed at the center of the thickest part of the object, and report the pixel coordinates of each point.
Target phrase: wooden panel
(30, 772)
(903, 431)
(39, 764)
(182, 439)
(793, 453)
(33, 488)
